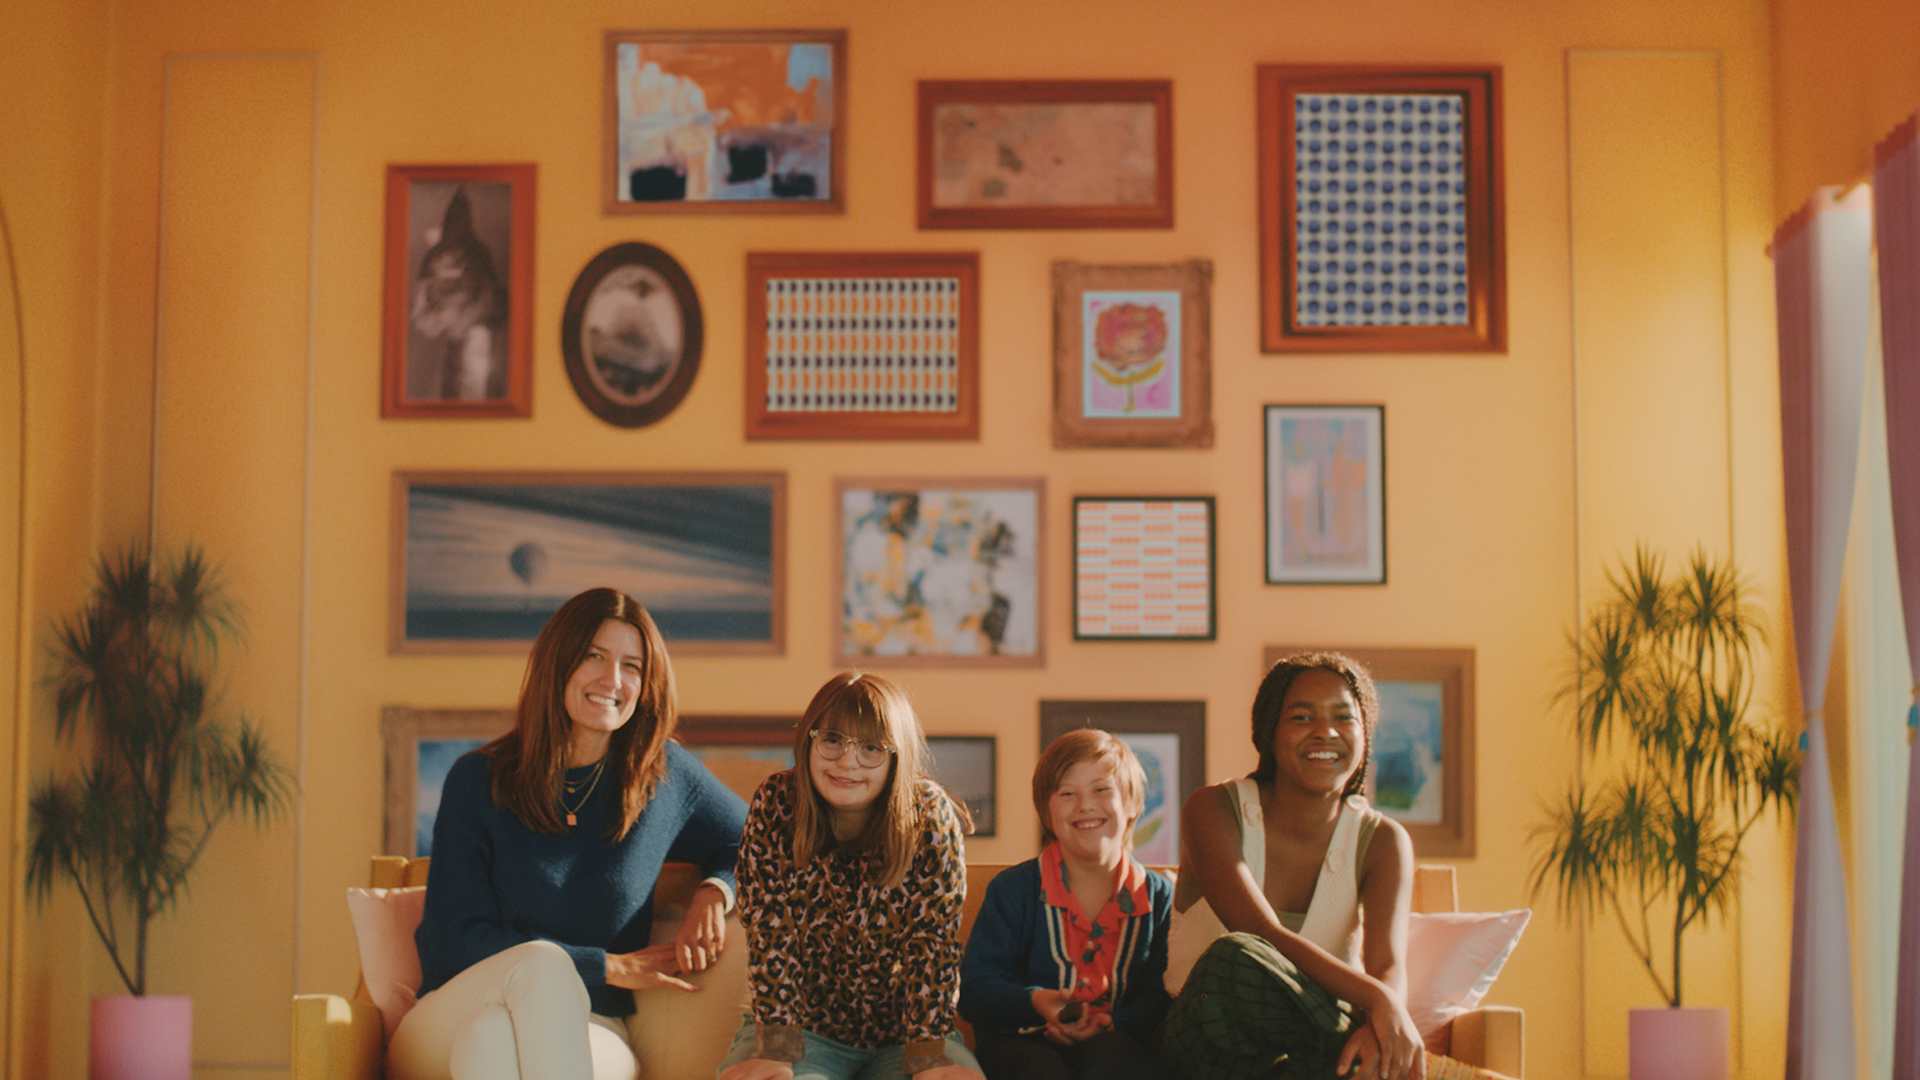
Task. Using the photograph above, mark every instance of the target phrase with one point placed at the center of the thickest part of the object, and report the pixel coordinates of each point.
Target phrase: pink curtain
(1896, 228)
(1821, 258)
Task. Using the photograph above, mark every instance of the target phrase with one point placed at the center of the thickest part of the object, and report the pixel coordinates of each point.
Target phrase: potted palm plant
(1680, 771)
(135, 668)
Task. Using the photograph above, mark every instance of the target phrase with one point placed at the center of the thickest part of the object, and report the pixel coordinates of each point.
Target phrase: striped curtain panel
(1821, 260)
(1896, 230)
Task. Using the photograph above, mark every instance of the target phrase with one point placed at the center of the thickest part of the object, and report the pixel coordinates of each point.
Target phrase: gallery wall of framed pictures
(1380, 229)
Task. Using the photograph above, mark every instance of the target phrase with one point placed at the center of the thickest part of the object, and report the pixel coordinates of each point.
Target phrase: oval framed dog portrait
(631, 335)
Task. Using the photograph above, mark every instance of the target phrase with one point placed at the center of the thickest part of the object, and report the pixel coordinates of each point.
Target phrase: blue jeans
(822, 1058)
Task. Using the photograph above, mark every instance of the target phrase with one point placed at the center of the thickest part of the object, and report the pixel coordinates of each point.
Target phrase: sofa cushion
(676, 1033)
(383, 922)
(1452, 960)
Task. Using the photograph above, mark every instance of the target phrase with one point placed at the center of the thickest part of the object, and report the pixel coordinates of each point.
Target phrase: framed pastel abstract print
(1045, 154)
(1422, 772)
(1381, 209)
(1326, 495)
(725, 122)
(865, 345)
(1131, 361)
(939, 572)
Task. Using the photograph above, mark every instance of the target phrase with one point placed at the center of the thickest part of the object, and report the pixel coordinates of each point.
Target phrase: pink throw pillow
(1452, 960)
(384, 921)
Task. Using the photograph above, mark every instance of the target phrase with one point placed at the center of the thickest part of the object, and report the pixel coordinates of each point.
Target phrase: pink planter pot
(1677, 1044)
(141, 1038)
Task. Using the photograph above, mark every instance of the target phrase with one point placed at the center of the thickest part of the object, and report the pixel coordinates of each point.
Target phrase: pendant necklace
(590, 781)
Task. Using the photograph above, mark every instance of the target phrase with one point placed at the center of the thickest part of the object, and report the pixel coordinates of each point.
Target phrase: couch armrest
(1491, 1037)
(336, 1039)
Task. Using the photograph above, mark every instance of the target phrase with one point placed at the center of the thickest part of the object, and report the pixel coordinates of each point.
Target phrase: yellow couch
(681, 1036)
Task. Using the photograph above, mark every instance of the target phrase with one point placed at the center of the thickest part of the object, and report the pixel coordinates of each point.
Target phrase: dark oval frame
(572, 350)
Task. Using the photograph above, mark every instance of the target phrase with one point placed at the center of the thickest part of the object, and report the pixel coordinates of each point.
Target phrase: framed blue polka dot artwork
(1381, 222)
(863, 345)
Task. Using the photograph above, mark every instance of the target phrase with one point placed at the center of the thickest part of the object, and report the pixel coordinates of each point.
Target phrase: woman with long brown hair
(852, 878)
(546, 849)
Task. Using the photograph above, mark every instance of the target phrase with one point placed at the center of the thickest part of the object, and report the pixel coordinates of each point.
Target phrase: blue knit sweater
(1011, 952)
(496, 884)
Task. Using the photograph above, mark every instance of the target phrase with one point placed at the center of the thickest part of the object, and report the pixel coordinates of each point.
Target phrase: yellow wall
(249, 266)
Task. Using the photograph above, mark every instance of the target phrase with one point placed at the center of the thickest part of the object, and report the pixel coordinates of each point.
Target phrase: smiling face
(1089, 814)
(1320, 741)
(849, 788)
(603, 690)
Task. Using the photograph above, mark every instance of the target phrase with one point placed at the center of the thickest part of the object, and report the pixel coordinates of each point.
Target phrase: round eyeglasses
(833, 746)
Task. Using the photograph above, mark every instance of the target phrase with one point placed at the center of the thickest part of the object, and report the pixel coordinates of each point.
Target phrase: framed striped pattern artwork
(873, 345)
(1143, 569)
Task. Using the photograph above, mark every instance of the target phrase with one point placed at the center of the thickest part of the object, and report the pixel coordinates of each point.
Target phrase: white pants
(520, 1014)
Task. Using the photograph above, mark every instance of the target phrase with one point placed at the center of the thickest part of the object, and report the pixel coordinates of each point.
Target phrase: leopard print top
(835, 954)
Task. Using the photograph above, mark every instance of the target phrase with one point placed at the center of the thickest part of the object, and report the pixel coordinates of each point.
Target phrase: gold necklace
(591, 781)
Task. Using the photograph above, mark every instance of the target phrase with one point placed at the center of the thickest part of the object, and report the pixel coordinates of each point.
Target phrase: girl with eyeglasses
(852, 879)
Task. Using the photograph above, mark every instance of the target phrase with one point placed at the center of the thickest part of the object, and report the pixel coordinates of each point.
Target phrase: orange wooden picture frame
(865, 373)
(417, 218)
(1282, 328)
(955, 136)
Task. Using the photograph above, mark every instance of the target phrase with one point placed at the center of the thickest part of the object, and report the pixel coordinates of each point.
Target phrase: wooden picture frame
(662, 161)
(480, 560)
(457, 318)
(1144, 568)
(966, 766)
(1169, 738)
(1315, 297)
(939, 572)
(1426, 727)
(631, 335)
(740, 750)
(1131, 355)
(1045, 154)
(866, 345)
(421, 745)
(1326, 505)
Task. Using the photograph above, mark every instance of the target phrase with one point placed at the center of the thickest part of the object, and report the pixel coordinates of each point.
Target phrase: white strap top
(1333, 916)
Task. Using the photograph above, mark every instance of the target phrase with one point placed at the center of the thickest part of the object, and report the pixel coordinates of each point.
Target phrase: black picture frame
(611, 343)
(968, 767)
(1145, 568)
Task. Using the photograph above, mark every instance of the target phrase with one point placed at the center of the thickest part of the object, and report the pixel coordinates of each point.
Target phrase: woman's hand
(1363, 1052)
(758, 1069)
(704, 932)
(1402, 1055)
(644, 970)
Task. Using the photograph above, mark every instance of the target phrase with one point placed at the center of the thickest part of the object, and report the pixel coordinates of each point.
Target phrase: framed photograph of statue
(1131, 365)
(457, 324)
(631, 335)
(726, 121)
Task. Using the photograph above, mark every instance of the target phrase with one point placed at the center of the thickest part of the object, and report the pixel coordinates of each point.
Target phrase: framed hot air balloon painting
(480, 560)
